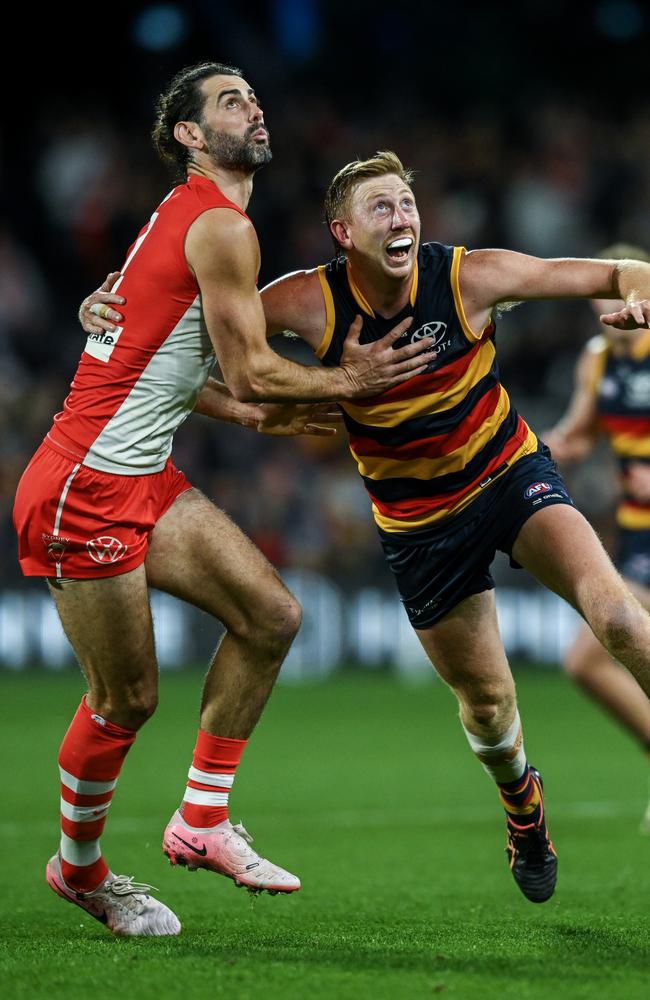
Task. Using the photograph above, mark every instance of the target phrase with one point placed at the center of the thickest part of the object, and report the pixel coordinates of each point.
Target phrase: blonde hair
(624, 251)
(343, 184)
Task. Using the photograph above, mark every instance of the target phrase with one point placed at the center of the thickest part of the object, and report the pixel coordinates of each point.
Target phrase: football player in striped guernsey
(612, 398)
(452, 471)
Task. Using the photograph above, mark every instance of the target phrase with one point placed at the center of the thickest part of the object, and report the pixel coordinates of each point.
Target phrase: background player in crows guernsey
(453, 472)
(103, 514)
(612, 397)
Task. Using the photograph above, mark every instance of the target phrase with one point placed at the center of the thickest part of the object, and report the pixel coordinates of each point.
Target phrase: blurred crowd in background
(509, 147)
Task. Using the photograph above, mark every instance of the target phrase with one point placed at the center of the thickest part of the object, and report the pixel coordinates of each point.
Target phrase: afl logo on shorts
(106, 549)
(535, 489)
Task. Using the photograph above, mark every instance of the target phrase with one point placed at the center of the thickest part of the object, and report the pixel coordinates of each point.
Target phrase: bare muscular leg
(198, 554)
(108, 623)
(589, 664)
(559, 547)
(466, 649)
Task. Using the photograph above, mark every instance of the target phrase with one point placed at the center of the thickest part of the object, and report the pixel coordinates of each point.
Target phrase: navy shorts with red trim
(77, 523)
(436, 568)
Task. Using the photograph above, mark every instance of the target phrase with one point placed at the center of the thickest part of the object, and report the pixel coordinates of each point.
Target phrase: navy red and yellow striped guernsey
(428, 447)
(622, 388)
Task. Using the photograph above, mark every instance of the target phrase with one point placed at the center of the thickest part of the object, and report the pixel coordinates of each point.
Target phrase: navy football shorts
(436, 568)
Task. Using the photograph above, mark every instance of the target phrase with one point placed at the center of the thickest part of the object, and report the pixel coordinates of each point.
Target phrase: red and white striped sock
(210, 778)
(90, 759)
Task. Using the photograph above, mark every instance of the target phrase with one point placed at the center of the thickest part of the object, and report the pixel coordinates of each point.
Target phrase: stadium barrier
(368, 629)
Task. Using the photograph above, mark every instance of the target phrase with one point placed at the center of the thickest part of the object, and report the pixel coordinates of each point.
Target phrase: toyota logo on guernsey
(106, 549)
(435, 328)
(535, 488)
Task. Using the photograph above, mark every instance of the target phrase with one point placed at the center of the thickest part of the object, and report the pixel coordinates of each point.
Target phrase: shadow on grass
(453, 946)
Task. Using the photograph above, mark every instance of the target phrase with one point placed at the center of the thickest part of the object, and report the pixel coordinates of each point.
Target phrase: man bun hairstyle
(182, 100)
(342, 186)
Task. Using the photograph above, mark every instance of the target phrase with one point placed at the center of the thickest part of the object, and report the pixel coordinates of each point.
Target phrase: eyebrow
(386, 194)
(234, 91)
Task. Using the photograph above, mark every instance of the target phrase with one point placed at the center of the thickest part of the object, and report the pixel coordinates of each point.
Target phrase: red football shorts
(78, 523)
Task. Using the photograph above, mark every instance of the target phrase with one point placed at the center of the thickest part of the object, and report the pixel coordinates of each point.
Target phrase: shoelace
(529, 842)
(124, 885)
(244, 834)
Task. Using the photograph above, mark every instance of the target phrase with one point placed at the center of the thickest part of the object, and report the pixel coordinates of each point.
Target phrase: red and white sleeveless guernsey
(131, 391)
(135, 386)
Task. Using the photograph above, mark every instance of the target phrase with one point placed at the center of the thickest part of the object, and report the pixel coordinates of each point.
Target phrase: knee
(279, 625)
(272, 624)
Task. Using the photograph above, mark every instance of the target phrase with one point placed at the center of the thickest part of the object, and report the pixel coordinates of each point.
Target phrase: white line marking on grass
(365, 817)
(470, 814)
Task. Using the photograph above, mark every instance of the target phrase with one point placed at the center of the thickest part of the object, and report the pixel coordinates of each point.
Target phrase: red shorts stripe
(79, 523)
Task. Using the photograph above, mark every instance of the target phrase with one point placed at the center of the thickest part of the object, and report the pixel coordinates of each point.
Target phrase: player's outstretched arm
(490, 277)
(222, 250)
(576, 432)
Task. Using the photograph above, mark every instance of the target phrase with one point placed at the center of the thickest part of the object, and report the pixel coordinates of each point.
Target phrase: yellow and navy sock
(521, 798)
(504, 759)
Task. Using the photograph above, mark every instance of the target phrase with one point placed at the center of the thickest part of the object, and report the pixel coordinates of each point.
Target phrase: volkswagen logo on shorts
(535, 488)
(106, 549)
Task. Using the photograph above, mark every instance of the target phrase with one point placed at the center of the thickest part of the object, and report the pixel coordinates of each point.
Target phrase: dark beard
(235, 152)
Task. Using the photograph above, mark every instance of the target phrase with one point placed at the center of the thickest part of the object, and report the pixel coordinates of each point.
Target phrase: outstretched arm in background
(575, 433)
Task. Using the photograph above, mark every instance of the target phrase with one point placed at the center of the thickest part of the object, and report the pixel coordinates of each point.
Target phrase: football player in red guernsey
(103, 514)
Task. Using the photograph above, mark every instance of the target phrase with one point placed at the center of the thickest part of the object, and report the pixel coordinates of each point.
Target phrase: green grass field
(366, 789)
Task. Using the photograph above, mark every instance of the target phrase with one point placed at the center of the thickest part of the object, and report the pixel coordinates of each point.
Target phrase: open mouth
(399, 249)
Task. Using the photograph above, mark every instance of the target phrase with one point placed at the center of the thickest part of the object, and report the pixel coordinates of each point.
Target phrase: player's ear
(189, 134)
(339, 231)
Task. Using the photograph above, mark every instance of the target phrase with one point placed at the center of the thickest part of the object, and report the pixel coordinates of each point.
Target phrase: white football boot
(125, 906)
